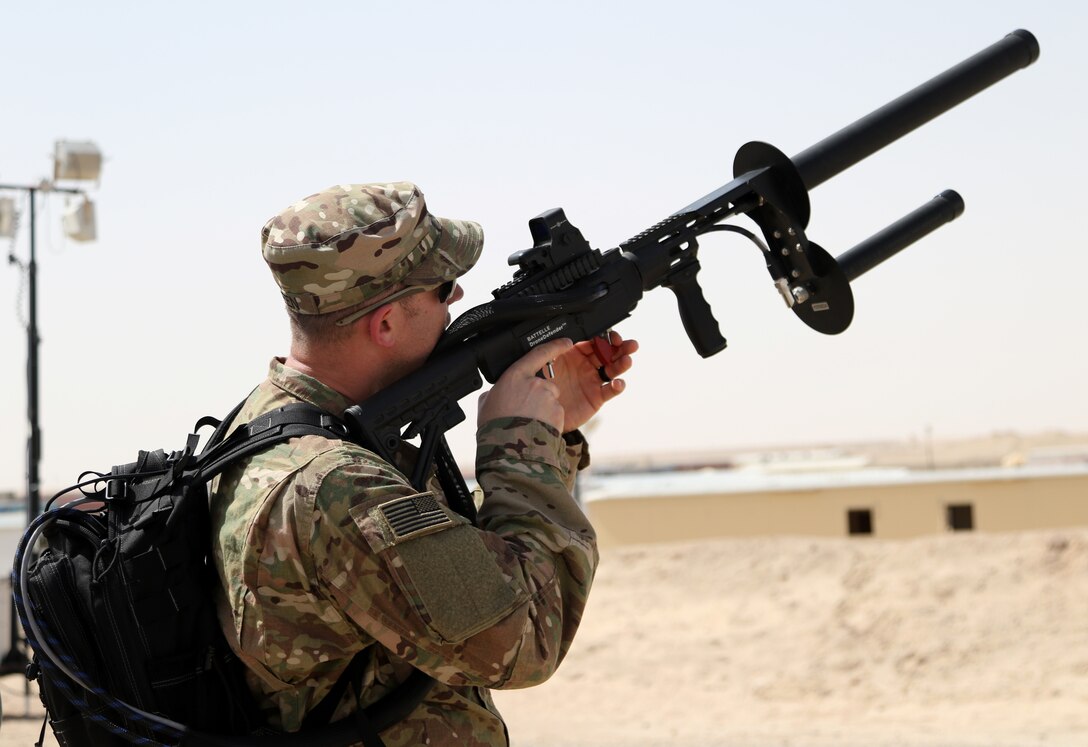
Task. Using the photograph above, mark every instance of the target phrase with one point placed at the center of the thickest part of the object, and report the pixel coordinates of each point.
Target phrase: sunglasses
(445, 293)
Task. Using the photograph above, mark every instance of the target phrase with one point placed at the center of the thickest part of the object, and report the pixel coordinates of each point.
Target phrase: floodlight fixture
(79, 222)
(8, 218)
(76, 159)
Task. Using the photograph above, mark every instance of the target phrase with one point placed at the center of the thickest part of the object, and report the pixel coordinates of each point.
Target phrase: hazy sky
(215, 116)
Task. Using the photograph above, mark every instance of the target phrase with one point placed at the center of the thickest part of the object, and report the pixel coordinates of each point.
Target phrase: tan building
(885, 503)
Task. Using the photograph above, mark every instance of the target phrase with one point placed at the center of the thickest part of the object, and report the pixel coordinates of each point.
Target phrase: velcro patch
(413, 515)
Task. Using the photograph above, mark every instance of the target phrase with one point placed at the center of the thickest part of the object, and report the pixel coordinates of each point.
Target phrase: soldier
(315, 562)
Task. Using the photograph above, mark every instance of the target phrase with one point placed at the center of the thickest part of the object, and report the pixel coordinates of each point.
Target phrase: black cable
(743, 232)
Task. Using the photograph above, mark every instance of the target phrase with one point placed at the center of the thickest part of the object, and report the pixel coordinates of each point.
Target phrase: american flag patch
(414, 514)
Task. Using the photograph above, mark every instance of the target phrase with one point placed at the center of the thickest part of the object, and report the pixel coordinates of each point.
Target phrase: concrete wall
(898, 510)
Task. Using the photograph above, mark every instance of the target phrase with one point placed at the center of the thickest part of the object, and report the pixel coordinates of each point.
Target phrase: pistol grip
(695, 312)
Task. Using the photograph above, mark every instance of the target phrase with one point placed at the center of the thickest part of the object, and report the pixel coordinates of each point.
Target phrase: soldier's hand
(519, 392)
(581, 376)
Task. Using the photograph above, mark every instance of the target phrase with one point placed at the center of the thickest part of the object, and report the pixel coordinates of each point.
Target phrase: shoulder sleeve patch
(412, 515)
(440, 565)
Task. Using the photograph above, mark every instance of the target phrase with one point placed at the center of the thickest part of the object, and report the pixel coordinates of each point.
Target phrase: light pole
(77, 161)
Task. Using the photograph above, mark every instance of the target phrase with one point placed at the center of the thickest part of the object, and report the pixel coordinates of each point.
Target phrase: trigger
(602, 346)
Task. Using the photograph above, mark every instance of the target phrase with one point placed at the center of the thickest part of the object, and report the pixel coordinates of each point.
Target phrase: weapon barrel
(945, 207)
(869, 134)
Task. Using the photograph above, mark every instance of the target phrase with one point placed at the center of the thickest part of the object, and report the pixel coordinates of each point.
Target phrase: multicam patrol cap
(351, 242)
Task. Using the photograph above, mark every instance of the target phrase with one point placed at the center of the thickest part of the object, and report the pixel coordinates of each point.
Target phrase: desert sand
(958, 640)
(961, 639)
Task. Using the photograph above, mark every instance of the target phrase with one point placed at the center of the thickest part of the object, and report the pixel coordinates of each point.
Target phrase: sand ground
(963, 640)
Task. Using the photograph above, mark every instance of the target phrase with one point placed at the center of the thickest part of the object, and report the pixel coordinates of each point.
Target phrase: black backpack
(114, 595)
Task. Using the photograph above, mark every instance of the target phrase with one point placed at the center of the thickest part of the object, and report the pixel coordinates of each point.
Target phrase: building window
(960, 517)
(859, 521)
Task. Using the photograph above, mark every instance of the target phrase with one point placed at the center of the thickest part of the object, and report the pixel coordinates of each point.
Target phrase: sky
(213, 117)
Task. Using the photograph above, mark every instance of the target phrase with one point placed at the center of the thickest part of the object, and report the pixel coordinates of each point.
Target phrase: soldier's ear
(384, 325)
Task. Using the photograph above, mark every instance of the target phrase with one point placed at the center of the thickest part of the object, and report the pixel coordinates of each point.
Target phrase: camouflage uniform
(317, 562)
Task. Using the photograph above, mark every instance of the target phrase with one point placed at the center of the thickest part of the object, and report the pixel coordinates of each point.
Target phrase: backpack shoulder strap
(297, 419)
(221, 426)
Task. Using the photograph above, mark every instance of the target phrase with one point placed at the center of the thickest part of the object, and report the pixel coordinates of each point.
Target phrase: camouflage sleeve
(527, 471)
(495, 606)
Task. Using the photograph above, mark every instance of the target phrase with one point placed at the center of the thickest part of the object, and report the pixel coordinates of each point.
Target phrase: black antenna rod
(913, 109)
